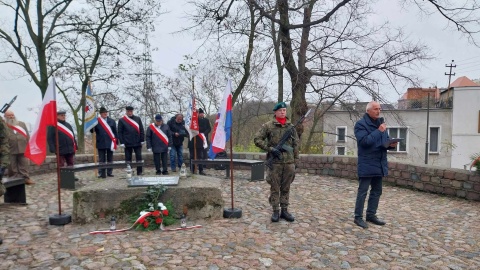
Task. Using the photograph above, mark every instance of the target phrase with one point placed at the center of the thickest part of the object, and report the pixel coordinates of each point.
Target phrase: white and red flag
(36, 149)
(191, 121)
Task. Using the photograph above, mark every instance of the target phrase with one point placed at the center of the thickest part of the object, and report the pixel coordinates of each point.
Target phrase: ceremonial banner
(90, 114)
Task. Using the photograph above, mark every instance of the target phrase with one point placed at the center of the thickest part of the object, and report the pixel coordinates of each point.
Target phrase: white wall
(465, 136)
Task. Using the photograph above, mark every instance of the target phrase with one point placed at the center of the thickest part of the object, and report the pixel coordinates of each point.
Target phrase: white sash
(132, 123)
(67, 132)
(204, 139)
(19, 129)
(160, 134)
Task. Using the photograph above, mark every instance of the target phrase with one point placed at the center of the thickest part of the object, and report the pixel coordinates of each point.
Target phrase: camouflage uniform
(282, 174)
(4, 148)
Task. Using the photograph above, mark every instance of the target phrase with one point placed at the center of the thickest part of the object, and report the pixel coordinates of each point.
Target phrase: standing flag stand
(222, 132)
(91, 120)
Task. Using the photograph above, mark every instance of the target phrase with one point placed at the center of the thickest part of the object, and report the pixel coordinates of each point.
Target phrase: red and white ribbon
(109, 131)
(19, 129)
(204, 139)
(132, 123)
(67, 132)
(160, 134)
(141, 218)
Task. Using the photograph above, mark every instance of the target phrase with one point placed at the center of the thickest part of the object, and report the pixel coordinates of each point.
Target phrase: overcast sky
(433, 30)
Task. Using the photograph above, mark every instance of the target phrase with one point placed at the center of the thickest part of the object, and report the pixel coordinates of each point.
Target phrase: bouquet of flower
(153, 214)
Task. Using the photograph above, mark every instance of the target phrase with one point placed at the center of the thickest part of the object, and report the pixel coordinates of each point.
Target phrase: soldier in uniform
(131, 136)
(17, 139)
(4, 152)
(282, 174)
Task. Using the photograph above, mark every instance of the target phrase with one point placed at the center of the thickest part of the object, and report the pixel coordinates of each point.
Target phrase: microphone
(382, 120)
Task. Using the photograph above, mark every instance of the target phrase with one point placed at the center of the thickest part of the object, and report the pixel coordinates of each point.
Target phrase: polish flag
(36, 149)
(223, 123)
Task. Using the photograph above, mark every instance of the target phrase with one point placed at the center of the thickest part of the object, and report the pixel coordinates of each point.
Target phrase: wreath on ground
(154, 213)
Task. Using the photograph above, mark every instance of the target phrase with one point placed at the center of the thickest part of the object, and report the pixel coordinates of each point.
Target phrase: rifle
(281, 144)
(7, 105)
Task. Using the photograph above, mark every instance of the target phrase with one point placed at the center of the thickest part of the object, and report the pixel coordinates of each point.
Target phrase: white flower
(151, 209)
(163, 207)
(160, 205)
(150, 204)
(143, 213)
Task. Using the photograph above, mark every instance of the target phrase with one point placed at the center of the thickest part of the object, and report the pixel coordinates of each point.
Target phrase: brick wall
(452, 182)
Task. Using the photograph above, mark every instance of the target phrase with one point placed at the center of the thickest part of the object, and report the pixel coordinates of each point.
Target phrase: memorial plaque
(145, 181)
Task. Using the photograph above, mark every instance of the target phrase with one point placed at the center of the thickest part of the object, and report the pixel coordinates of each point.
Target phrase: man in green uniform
(282, 173)
(4, 151)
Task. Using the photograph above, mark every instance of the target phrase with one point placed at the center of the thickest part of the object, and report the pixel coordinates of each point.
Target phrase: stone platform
(202, 195)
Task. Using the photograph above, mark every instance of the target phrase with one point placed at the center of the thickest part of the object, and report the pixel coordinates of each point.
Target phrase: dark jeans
(176, 152)
(201, 154)
(156, 160)
(138, 156)
(105, 155)
(373, 199)
(68, 158)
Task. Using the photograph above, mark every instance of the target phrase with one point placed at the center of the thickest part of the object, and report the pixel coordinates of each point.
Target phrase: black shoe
(287, 216)
(202, 173)
(102, 176)
(360, 222)
(376, 221)
(165, 173)
(139, 174)
(110, 175)
(158, 173)
(275, 216)
(76, 178)
(173, 170)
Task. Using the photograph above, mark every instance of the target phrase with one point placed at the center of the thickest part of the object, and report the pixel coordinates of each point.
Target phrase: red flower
(141, 220)
(145, 224)
(165, 212)
(158, 220)
(156, 213)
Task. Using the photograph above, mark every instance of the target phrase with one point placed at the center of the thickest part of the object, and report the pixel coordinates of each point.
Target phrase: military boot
(287, 216)
(275, 216)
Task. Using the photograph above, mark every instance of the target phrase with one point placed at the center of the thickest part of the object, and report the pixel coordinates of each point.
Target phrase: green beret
(279, 105)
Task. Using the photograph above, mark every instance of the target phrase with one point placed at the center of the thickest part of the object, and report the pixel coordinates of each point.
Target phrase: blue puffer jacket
(372, 154)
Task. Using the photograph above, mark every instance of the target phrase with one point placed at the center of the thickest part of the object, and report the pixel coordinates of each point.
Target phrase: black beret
(103, 109)
(61, 112)
(129, 108)
(279, 105)
(200, 110)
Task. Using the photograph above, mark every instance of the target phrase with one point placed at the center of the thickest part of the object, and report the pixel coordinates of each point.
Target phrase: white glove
(169, 148)
(149, 149)
(122, 145)
(142, 143)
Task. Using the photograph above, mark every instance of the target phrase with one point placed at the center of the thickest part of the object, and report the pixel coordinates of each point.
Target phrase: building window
(341, 150)
(399, 133)
(434, 140)
(341, 134)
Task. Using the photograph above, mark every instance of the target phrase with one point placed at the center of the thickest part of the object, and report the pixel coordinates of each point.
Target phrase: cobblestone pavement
(424, 231)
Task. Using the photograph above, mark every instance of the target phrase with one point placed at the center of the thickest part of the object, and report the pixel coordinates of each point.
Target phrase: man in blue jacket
(131, 136)
(372, 144)
(159, 140)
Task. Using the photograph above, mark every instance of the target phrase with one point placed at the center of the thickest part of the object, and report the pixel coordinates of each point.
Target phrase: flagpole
(231, 166)
(60, 219)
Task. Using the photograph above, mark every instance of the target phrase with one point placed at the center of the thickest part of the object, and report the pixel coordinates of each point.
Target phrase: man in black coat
(106, 139)
(131, 136)
(177, 127)
(159, 139)
(67, 144)
(200, 142)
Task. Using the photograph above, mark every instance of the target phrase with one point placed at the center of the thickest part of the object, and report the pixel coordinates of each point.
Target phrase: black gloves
(276, 153)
